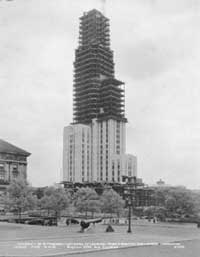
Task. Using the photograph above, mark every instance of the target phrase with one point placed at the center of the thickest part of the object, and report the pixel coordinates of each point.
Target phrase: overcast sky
(156, 47)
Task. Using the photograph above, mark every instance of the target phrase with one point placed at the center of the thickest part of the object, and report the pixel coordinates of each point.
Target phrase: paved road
(181, 249)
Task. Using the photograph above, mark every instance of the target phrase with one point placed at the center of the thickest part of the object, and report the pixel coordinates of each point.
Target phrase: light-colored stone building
(13, 163)
(77, 153)
(96, 152)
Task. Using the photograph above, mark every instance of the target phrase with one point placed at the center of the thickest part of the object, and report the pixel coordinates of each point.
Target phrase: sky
(157, 55)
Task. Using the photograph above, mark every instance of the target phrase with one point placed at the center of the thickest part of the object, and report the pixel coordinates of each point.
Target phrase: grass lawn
(29, 240)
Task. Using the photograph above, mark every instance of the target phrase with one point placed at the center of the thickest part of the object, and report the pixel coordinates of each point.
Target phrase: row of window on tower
(85, 158)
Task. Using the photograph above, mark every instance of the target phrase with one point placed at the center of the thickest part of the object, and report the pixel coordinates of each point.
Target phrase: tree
(196, 200)
(176, 201)
(112, 202)
(159, 196)
(19, 197)
(160, 213)
(54, 199)
(155, 211)
(179, 201)
(149, 211)
(87, 200)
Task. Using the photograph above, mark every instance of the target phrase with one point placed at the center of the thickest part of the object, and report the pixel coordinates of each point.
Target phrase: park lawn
(67, 239)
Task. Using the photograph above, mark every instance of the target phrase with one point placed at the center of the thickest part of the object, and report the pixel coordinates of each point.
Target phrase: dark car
(36, 221)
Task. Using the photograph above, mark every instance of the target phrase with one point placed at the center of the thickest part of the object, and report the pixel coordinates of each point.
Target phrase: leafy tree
(19, 197)
(179, 201)
(159, 196)
(196, 200)
(161, 213)
(112, 202)
(155, 211)
(176, 201)
(149, 211)
(54, 199)
(86, 200)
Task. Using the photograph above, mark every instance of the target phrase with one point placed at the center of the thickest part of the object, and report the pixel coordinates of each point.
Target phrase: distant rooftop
(6, 147)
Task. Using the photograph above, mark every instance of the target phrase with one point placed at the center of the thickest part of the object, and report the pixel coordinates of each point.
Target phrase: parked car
(42, 221)
(36, 221)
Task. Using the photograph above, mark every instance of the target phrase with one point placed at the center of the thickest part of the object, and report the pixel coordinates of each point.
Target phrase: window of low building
(2, 172)
(15, 171)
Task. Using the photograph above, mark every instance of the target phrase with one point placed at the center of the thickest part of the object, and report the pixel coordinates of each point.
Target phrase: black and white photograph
(99, 128)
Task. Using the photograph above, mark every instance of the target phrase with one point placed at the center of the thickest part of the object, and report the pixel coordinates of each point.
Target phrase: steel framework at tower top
(97, 94)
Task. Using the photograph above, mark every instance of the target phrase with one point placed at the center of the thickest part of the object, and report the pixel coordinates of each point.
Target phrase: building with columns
(94, 145)
(13, 163)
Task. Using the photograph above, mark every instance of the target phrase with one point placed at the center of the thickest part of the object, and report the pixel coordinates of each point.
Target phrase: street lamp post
(129, 217)
(130, 188)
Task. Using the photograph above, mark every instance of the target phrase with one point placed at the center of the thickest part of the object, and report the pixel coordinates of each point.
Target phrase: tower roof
(6, 147)
(93, 12)
(94, 29)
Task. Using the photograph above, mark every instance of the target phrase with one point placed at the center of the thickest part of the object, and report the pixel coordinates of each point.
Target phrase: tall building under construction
(94, 145)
